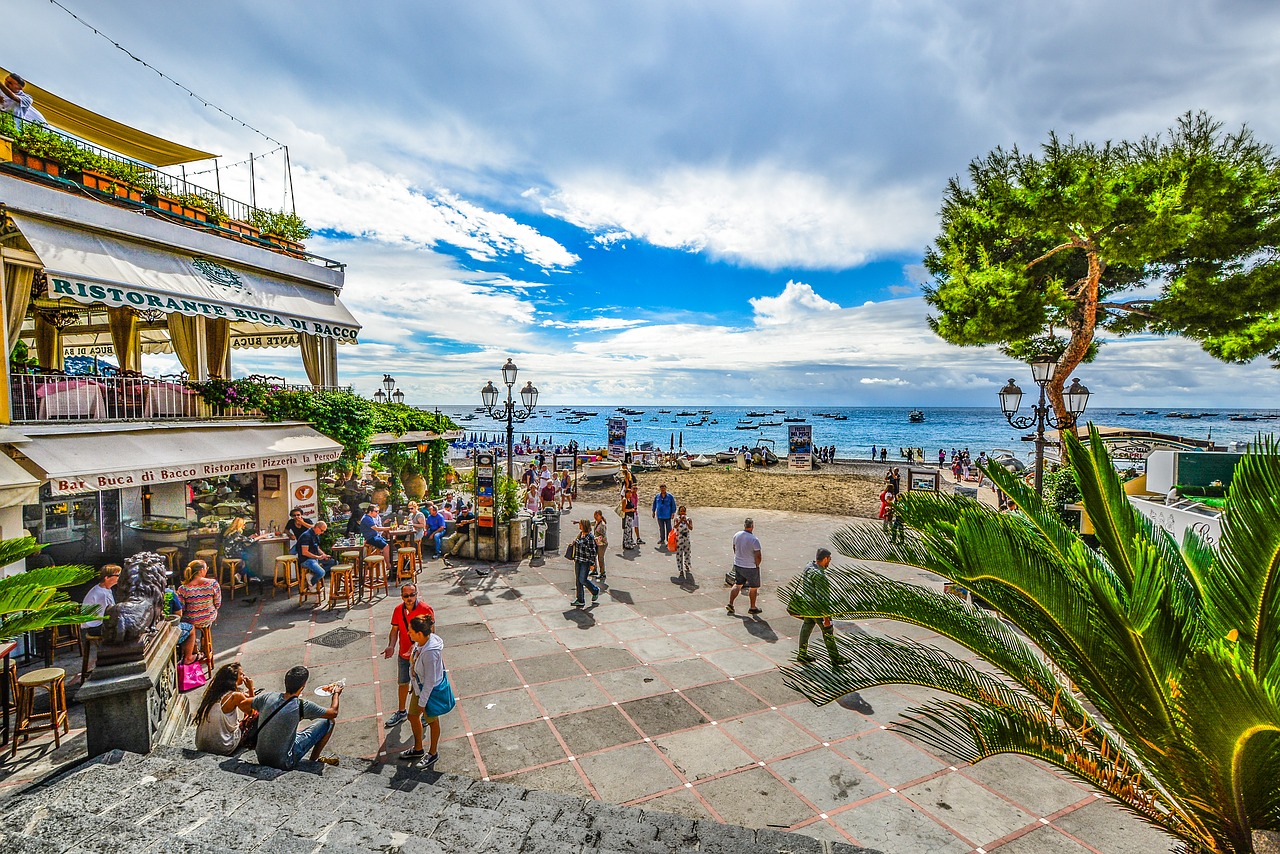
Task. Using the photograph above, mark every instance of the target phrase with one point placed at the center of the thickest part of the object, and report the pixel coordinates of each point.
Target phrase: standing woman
(601, 532)
(236, 544)
(532, 501)
(226, 703)
(201, 598)
(426, 666)
(683, 526)
(584, 558)
(628, 511)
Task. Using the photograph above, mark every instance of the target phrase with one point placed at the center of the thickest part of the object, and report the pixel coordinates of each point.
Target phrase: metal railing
(59, 398)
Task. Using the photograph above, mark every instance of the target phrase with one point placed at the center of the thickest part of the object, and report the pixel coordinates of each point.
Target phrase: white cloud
(896, 381)
(797, 302)
(594, 324)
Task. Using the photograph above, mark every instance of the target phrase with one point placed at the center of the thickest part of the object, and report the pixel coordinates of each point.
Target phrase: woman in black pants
(584, 560)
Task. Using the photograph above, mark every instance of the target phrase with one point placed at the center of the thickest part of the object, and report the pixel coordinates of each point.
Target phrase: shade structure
(93, 457)
(100, 130)
(91, 268)
(17, 486)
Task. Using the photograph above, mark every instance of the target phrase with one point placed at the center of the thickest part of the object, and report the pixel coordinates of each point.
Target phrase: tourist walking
(683, 526)
(566, 491)
(601, 532)
(628, 512)
(664, 507)
(399, 641)
(280, 744)
(226, 705)
(430, 680)
(584, 558)
(746, 566)
(816, 588)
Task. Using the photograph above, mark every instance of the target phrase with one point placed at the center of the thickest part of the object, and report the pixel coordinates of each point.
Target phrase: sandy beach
(841, 489)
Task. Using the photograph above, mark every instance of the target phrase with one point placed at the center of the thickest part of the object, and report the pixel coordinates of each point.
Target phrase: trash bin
(552, 518)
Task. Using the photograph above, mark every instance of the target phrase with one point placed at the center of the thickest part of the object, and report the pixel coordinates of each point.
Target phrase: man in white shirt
(17, 102)
(101, 596)
(746, 566)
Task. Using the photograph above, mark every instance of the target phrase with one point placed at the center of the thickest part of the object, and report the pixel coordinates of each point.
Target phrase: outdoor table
(165, 398)
(264, 551)
(6, 649)
(70, 398)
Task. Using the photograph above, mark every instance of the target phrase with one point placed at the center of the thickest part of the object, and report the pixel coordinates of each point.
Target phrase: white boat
(700, 460)
(601, 470)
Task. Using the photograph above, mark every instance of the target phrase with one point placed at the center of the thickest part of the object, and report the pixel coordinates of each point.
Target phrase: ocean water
(975, 428)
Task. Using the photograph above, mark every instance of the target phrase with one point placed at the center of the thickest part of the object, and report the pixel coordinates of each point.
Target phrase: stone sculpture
(139, 610)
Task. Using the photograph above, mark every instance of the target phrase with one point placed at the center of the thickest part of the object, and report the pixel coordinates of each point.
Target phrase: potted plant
(193, 206)
(283, 228)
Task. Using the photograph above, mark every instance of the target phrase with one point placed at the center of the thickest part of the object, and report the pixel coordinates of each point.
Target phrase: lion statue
(139, 609)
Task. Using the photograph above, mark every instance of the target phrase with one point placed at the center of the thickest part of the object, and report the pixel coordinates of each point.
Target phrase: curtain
(17, 296)
(48, 344)
(126, 338)
(217, 336)
(312, 357)
(182, 332)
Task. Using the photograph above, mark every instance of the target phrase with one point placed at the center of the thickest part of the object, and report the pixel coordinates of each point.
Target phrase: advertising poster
(486, 495)
(563, 462)
(800, 446)
(617, 438)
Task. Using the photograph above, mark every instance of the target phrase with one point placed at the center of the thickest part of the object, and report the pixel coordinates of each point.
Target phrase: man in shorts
(410, 606)
(746, 566)
(280, 743)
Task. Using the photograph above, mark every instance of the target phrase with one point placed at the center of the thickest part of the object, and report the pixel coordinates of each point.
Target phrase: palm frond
(19, 548)
(58, 614)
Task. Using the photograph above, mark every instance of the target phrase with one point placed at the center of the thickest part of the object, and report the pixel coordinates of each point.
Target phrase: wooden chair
(228, 567)
(341, 587)
(64, 637)
(28, 722)
(210, 557)
(305, 592)
(204, 637)
(87, 643)
(170, 555)
(375, 574)
(406, 564)
(292, 572)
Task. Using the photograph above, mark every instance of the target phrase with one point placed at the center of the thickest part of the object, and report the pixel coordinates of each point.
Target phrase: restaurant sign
(194, 471)
(252, 342)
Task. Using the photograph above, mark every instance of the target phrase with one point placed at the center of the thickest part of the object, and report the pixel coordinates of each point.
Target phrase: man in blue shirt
(664, 507)
(371, 528)
(311, 556)
(435, 529)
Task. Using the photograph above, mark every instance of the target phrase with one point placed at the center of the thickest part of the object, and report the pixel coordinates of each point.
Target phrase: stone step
(179, 800)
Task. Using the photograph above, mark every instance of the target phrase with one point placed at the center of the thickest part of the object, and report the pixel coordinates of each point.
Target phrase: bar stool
(305, 592)
(288, 565)
(204, 636)
(229, 567)
(170, 555)
(210, 557)
(87, 643)
(406, 564)
(375, 574)
(341, 588)
(28, 722)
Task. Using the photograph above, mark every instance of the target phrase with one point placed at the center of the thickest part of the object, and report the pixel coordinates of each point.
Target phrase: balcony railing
(61, 399)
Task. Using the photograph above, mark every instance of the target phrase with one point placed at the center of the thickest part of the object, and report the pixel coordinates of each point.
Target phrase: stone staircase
(185, 802)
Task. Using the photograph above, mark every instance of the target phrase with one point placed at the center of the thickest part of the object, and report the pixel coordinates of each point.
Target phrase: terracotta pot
(39, 164)
(415, 486)
(110, 186)
(380, 496)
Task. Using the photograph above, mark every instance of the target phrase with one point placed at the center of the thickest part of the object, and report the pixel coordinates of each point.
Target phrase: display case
(160, 530)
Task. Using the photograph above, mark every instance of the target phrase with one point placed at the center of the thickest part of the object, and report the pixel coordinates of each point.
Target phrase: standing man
(664, 507)
(311, 557)
(280, 744)
(746, 566)
(817, 589)
(410, 606)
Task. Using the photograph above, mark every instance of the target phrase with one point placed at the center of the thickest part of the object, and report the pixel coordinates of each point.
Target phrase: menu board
(486, 494)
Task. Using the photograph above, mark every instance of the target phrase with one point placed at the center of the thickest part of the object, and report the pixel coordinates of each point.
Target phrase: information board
(800, 446)
(486, 495)
(617, 438)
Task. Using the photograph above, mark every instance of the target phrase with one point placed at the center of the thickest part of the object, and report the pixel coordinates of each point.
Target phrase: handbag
(191, 676)
(441, 701)
(249, 730)
(571, 550)
(673, 540)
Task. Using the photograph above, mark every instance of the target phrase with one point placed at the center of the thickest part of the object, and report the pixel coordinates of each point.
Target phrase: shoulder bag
(441, 701)
(571, 550)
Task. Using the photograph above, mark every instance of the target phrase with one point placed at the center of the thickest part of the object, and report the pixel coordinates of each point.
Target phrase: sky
(715, 202)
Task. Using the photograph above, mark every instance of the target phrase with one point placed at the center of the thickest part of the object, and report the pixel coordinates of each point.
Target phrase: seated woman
(237, 544)
(227, 701)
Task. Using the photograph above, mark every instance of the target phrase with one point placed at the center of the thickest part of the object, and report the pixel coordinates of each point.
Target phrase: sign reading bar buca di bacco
(193, 471)
(123, 295)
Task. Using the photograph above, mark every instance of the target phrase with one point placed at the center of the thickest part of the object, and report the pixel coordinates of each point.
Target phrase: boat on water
(839, 417)
(744, 427)
(916, 416)
(779, 412)
(769, 424)
(793, 420)
(757, 414)
(686, 414)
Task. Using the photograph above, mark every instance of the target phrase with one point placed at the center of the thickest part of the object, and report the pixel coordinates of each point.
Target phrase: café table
(70, 398)
(6, 649)
(264, 549)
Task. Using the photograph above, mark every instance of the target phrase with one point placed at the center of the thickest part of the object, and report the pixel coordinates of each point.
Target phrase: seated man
(100, 595)
(372, 529)
(311, 556)
(435, 529)
(280, 744)
(461, 535)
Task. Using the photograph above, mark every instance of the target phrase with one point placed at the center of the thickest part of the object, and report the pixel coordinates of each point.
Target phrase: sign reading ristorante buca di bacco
(195, 471)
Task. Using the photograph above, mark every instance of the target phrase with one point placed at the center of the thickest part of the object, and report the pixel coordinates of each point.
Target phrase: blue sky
(714, 202)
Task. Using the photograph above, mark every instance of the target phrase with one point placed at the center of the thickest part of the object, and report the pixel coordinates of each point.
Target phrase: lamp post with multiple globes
(1042, 415)
(392, 394)
(508, 410)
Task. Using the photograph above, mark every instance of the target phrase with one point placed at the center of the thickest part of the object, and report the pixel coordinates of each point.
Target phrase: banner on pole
(800, 446)
(617, 438)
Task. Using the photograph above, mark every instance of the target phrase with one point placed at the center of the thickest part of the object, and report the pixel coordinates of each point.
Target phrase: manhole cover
(340, 637)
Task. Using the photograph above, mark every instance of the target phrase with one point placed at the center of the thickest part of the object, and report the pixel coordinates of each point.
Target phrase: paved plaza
(658, 698)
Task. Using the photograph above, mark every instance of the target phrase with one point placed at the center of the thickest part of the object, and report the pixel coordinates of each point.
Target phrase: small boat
(700, 461)
(684, 463)
(744, 427)
(769, 424)
(603, 470)
(1150, 412)
(779, 412)
(842, 418)
(793, 420)
(686, 414)
(916, 416)
(757, 414)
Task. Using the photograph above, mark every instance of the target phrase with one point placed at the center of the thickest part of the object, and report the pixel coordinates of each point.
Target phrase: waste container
(552, 518)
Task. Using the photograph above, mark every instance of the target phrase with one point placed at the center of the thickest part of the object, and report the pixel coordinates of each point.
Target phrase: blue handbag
(441, 701)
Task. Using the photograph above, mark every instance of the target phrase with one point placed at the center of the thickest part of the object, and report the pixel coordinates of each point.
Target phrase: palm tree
(34, 599)
(1147, 668)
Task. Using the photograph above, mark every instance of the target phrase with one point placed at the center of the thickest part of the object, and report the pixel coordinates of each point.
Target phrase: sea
(852, 430)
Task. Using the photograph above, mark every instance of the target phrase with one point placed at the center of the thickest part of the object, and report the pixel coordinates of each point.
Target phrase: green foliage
(43, 142)
(21, 356)
(1060, 489)
(1149, 669)
(283, 224)
(508, 493)
(34, 600)
(1078, 236)
(203, 202)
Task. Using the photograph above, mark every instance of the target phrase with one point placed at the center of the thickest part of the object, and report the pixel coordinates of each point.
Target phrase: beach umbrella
(673, 441)
(682, 440)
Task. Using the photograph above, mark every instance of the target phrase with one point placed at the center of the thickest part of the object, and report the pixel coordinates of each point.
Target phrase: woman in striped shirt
(201, 596)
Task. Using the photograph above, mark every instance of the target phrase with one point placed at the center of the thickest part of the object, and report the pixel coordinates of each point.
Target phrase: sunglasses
(408, 595)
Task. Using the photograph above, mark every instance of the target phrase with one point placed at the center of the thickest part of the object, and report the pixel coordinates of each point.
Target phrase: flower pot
(173, 206)
(243, 231)
(34, 163)
(415, 486)
(111, 186)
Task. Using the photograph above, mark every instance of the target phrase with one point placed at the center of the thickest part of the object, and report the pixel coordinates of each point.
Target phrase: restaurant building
(103, 465)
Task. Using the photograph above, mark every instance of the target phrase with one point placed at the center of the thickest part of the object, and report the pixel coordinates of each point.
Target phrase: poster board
(563, 462)
(800, 446)
(617, 428)
(486, 494)
(928, 480)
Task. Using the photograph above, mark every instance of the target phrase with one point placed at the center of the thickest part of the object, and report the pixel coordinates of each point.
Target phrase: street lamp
(508, 411)
(380, 396)
(1076, 397)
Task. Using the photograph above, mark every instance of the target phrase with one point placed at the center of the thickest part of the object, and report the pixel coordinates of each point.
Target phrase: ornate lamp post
(1042, 415)
(508, 411)
(391, 393)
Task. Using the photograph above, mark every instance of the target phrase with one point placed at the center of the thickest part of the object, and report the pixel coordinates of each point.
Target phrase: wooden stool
(64, 637)
(341, 588)
(53, 679)
(229, 567)
(375, 573)
(87, 643)
(204, 637)
(210, 557)
(288, 564)
(406, 564)
(305, 592)
(170, 555)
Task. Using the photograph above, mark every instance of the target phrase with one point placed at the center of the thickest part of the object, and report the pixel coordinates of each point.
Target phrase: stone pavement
(656, 697)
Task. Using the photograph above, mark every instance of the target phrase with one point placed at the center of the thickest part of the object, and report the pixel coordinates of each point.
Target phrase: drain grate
(340, 637)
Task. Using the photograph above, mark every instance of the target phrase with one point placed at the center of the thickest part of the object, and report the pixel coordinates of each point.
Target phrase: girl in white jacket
(426, 671)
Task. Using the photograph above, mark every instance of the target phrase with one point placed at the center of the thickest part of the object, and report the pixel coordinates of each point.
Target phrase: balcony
(60, 399)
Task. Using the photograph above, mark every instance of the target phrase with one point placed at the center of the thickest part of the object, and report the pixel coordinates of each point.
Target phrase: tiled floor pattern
(656, 696)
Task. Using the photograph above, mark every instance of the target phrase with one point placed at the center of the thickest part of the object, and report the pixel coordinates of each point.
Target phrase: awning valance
(17, 487)
(93, 268)
(89, 461)
(413, 437)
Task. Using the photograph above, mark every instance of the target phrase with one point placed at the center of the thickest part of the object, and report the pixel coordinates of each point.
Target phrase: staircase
(182, 801)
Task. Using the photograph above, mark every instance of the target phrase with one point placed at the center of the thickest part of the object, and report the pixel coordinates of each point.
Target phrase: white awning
(16, 486)
(413, 437)
(89, 461)
(93, 268)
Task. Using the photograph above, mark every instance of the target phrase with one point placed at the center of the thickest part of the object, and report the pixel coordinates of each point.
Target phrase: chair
(375, 574)
(170, 555)
(64, 637)
(305, 592)
(28, 721)
(288, 565)
(406, 564)
(228, 567)
(341, 588)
